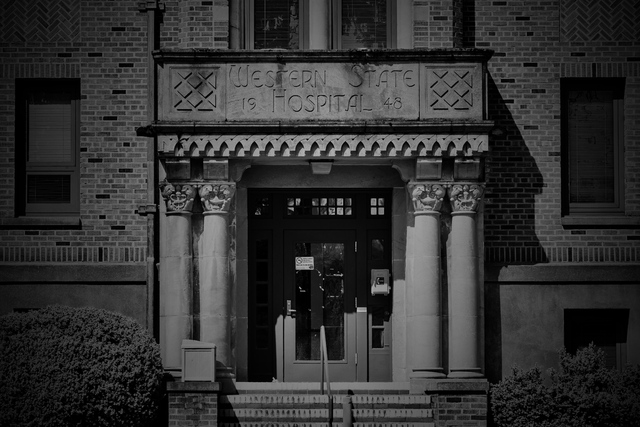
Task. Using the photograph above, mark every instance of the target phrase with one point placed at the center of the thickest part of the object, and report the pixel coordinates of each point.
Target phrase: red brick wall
(536, 43)
(437, 24)
(195, 24)
(104, 45)
(193, 404)
(461, 409)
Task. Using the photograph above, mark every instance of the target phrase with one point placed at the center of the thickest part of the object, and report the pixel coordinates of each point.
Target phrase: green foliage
(63, 366)
(583, 393)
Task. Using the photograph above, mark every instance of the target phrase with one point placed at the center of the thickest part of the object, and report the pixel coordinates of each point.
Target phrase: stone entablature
(212, 86)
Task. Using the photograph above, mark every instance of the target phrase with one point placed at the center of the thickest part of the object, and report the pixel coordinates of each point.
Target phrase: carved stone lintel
(465, 197)
(216, 197)
(426, 197)
(179, 197)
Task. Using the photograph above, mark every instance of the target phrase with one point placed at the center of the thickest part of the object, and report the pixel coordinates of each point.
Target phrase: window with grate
(47, 139)
(363, 24)
(351, 24)
(592, 130)
(275, 24)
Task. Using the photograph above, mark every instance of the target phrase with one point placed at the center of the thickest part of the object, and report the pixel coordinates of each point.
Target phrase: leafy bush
(63, 366)
(583, 393)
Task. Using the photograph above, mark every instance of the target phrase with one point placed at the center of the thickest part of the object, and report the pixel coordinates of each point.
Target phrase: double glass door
(310, 257)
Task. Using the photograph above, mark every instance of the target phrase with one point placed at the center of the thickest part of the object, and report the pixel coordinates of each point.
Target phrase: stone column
(424, 317)
(464, 283)
(319, 28)
(215, 286)
(176, 309)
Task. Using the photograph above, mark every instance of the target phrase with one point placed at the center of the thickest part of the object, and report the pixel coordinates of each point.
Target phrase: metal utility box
(198, 361)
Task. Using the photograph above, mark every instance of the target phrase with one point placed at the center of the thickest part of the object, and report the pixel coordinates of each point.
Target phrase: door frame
(267, 219)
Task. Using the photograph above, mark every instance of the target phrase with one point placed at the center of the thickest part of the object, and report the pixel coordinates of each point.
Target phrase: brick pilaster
(193, 403)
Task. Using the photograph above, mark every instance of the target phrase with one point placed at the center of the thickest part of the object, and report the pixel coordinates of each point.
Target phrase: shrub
(62, 366)
(582, 393)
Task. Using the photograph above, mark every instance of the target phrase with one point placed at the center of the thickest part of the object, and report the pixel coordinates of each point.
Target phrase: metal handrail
(324, 363)
(324, 371)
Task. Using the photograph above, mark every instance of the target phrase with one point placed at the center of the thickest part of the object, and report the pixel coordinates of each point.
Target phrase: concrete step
(322, 424)
(271, 407)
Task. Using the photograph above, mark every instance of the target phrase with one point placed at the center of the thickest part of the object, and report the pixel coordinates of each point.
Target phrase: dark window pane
(364, 24)
(262, 271)
(262, 207)
(377, 338)
(50, 128)
(262, 293)
(262, 316)
(378, 316)
(48, 189)
(591, 147)
(262, 338)
(377, 249)
(320, 301)
(276, 24)
(262, 249)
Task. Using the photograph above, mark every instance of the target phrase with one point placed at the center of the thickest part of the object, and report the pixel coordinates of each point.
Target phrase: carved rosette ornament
(465, 197)
(179, 198)
(427, 197)
(216, 198)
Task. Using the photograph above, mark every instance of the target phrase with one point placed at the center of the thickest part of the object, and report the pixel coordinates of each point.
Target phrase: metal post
(347, 406)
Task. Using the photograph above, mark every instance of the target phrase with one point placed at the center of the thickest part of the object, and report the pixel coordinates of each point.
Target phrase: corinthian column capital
(465, 197)
(179, 197)
(426, 197)
(216, 197)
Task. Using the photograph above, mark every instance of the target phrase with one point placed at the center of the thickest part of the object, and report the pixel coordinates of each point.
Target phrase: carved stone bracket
(465, 197)
(216, 197)
(179, 197)
(426, 197)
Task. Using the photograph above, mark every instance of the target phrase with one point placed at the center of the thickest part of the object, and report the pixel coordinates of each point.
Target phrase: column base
(467, 373)
(428, 373)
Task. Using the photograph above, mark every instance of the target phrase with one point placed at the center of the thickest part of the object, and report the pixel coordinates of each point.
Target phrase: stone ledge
(600, 221)
(557, 273)
(73, 272)
(41, 223)
(463, 386)
(193, 387)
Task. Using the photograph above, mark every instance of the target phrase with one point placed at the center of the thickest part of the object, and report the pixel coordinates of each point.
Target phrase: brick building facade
(502, 240)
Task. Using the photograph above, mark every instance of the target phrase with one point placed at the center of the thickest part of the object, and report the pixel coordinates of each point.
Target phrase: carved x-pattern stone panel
(451, 89)
(195, 90)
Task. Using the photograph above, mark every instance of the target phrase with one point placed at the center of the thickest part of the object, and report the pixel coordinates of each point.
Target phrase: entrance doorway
(310, 258)
(319, 288)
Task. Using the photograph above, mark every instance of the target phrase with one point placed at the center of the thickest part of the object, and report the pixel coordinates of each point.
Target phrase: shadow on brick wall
(513, 182)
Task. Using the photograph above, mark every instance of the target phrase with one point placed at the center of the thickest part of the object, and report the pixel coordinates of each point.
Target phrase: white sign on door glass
(304, 263)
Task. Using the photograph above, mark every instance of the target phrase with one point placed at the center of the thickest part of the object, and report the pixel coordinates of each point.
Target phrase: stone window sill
(600, 221)
(41, 223)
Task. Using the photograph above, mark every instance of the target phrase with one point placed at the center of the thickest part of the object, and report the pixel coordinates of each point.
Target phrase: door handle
(290, 311)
